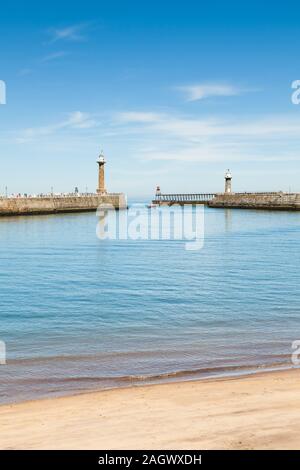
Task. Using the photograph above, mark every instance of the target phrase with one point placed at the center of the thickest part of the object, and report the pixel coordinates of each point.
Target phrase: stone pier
(54, 204)
(267, 201)
(59, 204)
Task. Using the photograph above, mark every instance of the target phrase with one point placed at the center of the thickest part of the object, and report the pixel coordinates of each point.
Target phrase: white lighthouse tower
(228, 178)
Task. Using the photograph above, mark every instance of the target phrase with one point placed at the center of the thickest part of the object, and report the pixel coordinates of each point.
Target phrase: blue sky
(173, 92)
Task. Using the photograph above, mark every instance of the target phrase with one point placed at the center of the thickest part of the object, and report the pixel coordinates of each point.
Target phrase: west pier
(64, 203)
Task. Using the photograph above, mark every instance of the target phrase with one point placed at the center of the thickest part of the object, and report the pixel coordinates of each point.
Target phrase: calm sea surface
(78, 313)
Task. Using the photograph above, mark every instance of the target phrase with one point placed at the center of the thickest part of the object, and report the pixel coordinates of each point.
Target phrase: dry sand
(255, 412)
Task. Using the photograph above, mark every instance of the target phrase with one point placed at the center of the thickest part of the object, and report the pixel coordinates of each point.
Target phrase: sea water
(78, 313)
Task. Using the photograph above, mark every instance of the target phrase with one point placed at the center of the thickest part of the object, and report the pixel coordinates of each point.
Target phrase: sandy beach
(255, 412)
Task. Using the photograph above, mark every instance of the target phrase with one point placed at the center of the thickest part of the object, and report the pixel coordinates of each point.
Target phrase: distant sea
(80, 314)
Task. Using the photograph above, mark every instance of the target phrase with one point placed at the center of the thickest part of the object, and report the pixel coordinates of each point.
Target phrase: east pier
(228, 199)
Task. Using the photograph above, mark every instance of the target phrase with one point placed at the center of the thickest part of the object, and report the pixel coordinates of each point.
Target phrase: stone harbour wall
(59, 204)
(272, 201)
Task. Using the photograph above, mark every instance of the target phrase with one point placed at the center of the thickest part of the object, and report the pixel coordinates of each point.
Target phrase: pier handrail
(183, 197)
(267, 193)
(56, 196)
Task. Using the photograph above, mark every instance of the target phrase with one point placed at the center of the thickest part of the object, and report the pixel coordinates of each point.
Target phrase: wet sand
(261, 411)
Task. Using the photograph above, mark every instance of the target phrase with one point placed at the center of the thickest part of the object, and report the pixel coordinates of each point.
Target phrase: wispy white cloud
(149, 135)
(205, 90)
(69, 33)
(79, 120)
(182, 138)
(54, 56)
(138, 117)
(185, 126)
(75, 120)
(76, 32)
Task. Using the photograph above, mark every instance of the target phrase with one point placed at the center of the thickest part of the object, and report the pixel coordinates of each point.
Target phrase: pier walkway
(169, 199)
